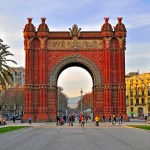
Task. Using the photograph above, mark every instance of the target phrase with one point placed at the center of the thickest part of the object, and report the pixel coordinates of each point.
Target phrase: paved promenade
(90, 124)
(48, 136)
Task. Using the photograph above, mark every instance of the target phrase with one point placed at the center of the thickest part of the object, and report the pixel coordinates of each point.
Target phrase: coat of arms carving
(75, 31)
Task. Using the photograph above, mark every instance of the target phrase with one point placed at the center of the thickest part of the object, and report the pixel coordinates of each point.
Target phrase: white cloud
(138, 57)
(138, 20)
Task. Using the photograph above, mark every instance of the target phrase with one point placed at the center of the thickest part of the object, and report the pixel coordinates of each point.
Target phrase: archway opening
(75, 82)
(97, 83)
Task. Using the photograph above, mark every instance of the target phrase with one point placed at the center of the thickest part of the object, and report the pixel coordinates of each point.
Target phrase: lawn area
(146, 127)
(11, 128)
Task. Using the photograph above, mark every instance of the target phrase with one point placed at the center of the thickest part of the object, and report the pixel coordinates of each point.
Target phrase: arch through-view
(48, 53)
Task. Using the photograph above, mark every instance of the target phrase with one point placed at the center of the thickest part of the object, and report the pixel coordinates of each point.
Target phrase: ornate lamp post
(81, 99)
(59, 98)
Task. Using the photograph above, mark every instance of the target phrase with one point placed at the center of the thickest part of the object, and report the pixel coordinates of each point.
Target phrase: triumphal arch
(48, 53)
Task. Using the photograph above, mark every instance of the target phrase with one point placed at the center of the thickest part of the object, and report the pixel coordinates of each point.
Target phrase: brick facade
(48, 53)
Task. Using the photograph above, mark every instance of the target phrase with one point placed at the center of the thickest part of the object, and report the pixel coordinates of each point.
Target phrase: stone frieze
(71, 44)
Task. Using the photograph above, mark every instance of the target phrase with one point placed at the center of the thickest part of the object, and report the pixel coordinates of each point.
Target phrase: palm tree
(5, 71)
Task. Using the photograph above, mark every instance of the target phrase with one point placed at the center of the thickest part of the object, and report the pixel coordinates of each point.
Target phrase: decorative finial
(29, 20)
(106, 19)
(43, 20)
(119, 19)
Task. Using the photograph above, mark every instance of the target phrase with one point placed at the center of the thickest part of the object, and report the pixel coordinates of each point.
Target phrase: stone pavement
(48, 136)
(90, 124)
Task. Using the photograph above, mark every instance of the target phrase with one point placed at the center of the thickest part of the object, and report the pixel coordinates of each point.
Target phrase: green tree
(16, 99)
(12, 99)
(87, 102)
(5, 71)
(62, 101)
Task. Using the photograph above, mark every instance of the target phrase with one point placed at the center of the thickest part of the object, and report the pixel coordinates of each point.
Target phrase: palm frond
(6, 77)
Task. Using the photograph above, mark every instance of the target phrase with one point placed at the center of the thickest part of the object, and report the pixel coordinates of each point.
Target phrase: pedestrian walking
(30, 120)
(109, 119)
(103, 119)
(120, 119)
(114, 119)
(86, 118)
(97, 120)
(14, 119)
(57, 120)
(82, 121)
(21, 121)
(61, 121)
(70, 122)
(64, 118)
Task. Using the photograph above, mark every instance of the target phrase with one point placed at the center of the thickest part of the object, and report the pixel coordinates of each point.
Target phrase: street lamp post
(81, 99)
(58, 99)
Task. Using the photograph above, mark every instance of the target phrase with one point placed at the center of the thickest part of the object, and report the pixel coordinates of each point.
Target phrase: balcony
(137, 96)
(131, 104)
(140, 104)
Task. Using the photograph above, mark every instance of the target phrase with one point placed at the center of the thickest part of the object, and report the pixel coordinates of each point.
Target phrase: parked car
(18, 118)
(5, 116)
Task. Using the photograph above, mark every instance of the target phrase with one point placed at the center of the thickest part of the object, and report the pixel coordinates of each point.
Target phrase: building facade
(48, 53)
(138, 94)
(18, 76)
(14, 95)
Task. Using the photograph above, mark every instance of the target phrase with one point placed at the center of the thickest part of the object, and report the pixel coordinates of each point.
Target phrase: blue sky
(88, 15)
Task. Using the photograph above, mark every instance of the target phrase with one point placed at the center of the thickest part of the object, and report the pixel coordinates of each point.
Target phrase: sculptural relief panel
(71, 44)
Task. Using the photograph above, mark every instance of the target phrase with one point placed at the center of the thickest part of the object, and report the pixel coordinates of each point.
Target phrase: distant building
(138, 94)
(15, 106)
(18, 76)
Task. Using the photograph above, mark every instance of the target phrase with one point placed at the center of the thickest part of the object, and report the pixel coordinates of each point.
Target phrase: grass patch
(146, 127)
(11, 128)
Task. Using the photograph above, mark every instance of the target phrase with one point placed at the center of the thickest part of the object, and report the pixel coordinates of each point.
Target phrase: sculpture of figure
(121, 42)
(29, 40)
(42, 41)
(107, 40)
(75, 31)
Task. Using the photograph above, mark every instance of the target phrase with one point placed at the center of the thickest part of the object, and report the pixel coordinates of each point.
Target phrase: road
(50, 137)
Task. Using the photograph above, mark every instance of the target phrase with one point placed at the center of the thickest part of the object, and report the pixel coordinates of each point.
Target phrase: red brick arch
(76, 60)
(48, 53)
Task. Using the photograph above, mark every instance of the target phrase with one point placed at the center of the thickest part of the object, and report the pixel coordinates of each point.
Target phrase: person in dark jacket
(57, 120)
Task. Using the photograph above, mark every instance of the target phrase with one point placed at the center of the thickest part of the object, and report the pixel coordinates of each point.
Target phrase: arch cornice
(91, 68)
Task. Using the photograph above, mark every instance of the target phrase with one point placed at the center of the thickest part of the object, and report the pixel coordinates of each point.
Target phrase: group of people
(112, 119)
(21, 120)
(83, 119)
(70, 120)
(61, 120)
